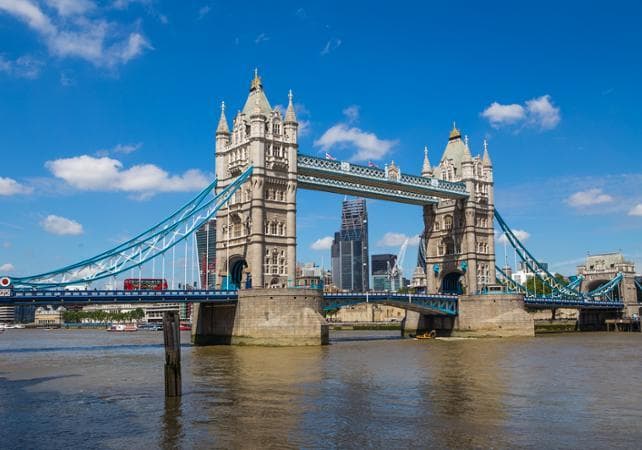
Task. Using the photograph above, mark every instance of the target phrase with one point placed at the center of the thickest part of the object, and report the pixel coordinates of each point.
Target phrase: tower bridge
(259, 170)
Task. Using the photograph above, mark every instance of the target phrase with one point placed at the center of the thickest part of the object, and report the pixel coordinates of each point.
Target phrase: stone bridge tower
(256, 232)
(457, 250)
(599, 269)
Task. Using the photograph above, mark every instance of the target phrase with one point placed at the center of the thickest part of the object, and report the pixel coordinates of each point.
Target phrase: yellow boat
(427, 335)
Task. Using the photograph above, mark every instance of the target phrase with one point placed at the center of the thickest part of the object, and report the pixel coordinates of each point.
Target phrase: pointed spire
(426, 169)
(290, 116)
(486, 158)
(454, 134)
(222, 122)
(256, 81)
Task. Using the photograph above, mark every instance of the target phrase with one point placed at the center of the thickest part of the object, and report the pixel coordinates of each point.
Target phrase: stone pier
(499, 315)
(415, 323)
(274, 317)
(478, 316)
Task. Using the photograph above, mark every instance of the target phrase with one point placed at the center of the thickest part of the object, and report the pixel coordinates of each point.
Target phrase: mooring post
(172, 339)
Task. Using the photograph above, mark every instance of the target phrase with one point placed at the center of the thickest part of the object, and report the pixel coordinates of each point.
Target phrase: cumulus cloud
(9, 186)
(391, 239)
(521, 236)
(498, 114)
(367, 144)
(61, 226)
(107, 174)
(324, 243)
(69, 28)
(539, 112)
(22, 67)
(636, 210)
(589, 197)
(331, 46)
(7, 267)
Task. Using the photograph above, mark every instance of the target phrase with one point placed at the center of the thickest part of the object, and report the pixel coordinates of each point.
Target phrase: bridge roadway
(435, 304)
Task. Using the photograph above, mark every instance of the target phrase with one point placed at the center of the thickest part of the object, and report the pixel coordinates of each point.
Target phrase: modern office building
(206, 245)
(350, 262)
(382, 266)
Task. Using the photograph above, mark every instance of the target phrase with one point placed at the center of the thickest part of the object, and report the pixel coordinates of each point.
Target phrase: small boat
(151, 326)
(123, 327)
(185, 326)
(427, 335)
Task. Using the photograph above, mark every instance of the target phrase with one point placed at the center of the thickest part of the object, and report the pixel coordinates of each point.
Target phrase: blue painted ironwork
(606, 287)
(438, 304)
(638, 284)
(320, 183)
(141, 249)
(68, 297)
(359, 175)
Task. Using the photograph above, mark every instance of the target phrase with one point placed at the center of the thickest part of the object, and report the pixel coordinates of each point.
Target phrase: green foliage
(536, 285)
(103, 316)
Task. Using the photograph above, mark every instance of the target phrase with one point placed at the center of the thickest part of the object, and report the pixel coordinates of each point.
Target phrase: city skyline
(135, 139)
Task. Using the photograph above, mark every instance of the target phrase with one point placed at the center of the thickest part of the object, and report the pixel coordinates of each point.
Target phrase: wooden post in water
(172, 339)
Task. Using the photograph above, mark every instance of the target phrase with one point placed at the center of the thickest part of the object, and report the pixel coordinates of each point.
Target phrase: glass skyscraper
(350, 262)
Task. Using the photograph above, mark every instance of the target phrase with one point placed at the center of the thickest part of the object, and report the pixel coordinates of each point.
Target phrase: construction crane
(395, 274)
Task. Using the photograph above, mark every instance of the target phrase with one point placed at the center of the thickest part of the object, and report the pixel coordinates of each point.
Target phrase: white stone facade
(256, 234)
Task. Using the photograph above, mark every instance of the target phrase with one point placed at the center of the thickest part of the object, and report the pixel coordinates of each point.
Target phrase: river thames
(93, 389)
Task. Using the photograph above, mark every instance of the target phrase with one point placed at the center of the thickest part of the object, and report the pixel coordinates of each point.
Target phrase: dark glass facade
(206, 245)
(350, 262)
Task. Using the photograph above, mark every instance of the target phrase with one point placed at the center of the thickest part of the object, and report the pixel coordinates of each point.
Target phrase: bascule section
(457, 252)
(257, 244)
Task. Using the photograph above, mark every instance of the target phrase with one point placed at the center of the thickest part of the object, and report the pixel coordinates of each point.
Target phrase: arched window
(448, 222)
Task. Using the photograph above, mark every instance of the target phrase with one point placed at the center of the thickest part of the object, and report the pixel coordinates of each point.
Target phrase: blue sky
(134, 87)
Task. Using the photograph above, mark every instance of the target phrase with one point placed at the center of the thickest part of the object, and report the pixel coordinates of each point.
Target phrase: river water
(93, 389)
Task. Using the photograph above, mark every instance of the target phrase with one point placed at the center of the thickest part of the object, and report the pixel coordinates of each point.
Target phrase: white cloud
(72, 32)
(7, 267)
(23, 67)
(498, 114)
(589, 197)
(9, 186)
(71, 7)
(636, 210)
(351, 113)
(521, 236)
(537, 112)
(324, 243)
(331, 46)
(368, 145)
(542, 113)
(391, 239)
(107, 174)
(123, 149)
(61, 226)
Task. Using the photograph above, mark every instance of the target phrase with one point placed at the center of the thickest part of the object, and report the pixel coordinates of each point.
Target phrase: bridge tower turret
(458, 239)
(222, 141)
(256, 234)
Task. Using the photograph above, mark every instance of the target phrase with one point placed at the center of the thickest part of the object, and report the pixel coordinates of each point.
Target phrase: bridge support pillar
(498, 315)
(595, 320)
(416, 323)
(262, 316)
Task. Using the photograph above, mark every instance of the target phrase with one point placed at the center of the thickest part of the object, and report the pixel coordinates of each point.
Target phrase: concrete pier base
(498, 315)
(415, 323)
(274, 317)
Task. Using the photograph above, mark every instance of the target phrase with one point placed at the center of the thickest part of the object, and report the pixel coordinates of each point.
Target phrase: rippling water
(77, 388)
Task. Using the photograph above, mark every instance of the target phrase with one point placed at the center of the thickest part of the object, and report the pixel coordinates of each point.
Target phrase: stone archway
(451, 283)
(236, 265)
